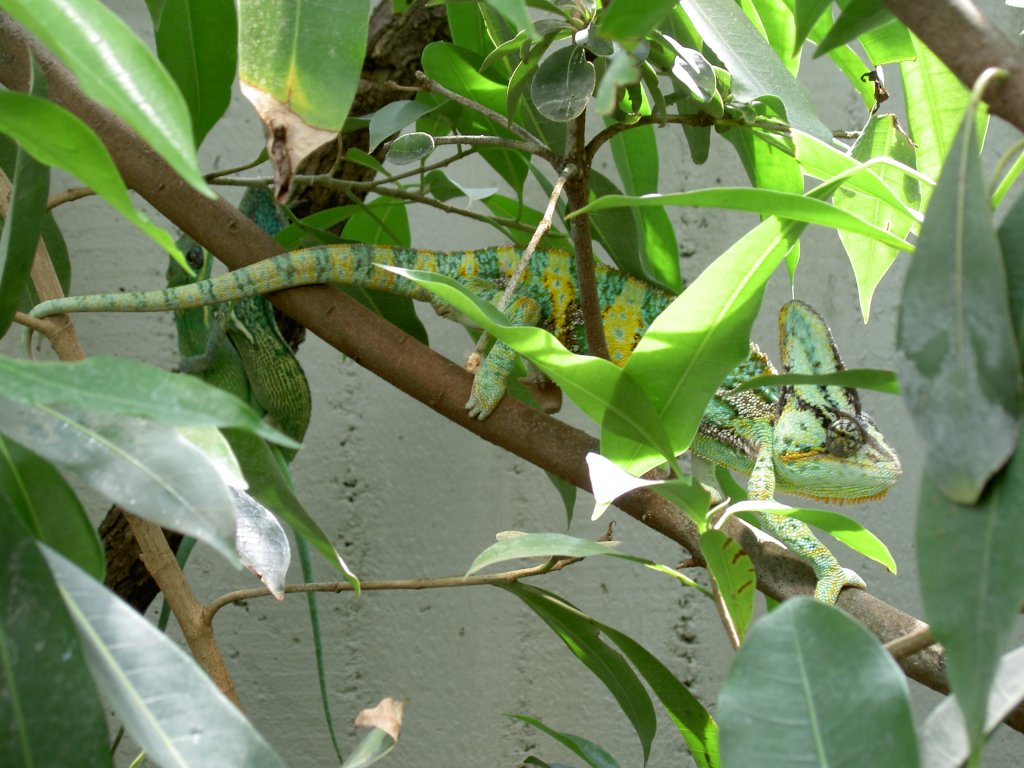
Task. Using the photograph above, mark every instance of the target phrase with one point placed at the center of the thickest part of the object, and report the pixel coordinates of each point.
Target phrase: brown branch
(968, 43)
(423, 374)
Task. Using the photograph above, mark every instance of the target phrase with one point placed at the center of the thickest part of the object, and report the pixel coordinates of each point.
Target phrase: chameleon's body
(239, 347)
(809, 440)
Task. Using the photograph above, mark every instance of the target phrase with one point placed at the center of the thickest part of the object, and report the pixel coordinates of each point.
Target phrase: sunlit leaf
(563, 84)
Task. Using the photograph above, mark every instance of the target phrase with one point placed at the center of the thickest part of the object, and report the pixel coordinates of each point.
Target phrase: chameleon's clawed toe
(830, 585)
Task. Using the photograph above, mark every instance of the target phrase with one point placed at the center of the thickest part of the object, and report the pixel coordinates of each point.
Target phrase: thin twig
(485, 141)
(444, 582)
(68, 196)
(911, 643)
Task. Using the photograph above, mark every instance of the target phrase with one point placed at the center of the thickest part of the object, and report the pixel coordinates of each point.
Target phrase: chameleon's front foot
(480, 405)
(831, 583)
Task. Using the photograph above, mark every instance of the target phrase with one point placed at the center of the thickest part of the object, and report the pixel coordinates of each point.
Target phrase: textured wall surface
(406, 494)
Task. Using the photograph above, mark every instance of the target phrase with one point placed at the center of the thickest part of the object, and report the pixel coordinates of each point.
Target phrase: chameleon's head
(825, 446)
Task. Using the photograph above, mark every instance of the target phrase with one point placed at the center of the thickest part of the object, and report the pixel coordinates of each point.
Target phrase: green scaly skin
(240, 348)
(808, 440)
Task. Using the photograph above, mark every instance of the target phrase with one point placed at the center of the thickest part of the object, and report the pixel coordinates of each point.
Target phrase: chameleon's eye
(844, 437)
(194, 256)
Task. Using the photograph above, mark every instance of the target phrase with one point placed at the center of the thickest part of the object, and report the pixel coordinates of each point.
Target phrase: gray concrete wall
(407, 494)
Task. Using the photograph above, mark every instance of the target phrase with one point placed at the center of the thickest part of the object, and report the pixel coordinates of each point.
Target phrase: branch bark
(421, 373)
(968, 43)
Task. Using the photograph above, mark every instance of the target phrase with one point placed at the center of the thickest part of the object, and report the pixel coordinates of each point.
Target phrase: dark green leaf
(1011, 241)
(50, 712)
(23, 225)
(693, 71)
(168, 704)
(121, 74)
(806, 14)
(562, 84)
(393, 117)
(583, 748)
(567, 491)
(691, 718)
(790, 699)
(197, 40)
(973, 607)
(622, 70)
(49, 508)
(961, 373)
(582, 636)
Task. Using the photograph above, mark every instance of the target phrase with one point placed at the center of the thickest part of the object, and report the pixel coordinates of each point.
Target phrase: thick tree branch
(968, 43)
(420, 372)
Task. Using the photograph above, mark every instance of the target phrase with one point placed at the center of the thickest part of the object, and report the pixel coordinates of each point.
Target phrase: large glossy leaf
(113, 386)
(147, 468)
(32, 122)
(973, 608)
(563, 84)
(582, 636)
(168, 705)
(50, 712)
(291, 53)
(944, 742)
(48, 507)
(261, 542)
(961, 373)
(769, 202)
(871, 259)
(756, 68)
(115, 68)
(790, 698)
(197, 40)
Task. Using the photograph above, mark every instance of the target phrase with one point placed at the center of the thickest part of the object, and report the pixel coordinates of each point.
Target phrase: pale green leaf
(789, 698)
(168, 704)
(734, 574)
(633, 18)
(410, 148)
(540, 545)
(261, 542)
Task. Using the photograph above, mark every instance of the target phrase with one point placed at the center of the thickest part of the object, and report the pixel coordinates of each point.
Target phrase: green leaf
(973, 607)
(1011, 240)
(689, 715)
(369, 749)
(935, 100)
(615, 229)
(122, 74)
(961, 373)
(790, 699)
(168, 704)
(693, 71)
(197, 40)
(23, 225)
(881, 137)
(393, 117)
(563, 84)
(567, 491)
(856, 18)
(631, 19)
(46, 685)
(261, 542)
(282, 54)
(117, 386)
(608, 482)
(515, 13)
(756, 68)
(410, 148)
(588, 751)
(785, 205)
(49, 508)
(582, 636)
(875, 379)
(33, 123)
(734, 574)
(806, 14)
(943, 736)
(148, 468)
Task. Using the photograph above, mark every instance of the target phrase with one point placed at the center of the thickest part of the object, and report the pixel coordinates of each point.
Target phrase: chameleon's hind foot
(480, 404)
(830, 584)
